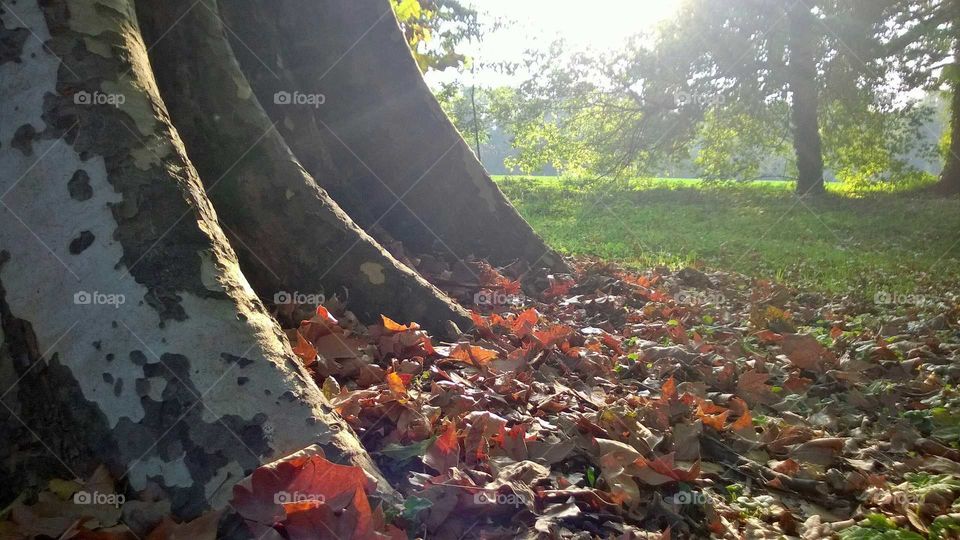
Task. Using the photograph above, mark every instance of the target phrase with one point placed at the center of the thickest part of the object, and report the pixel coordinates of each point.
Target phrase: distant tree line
(730, 86)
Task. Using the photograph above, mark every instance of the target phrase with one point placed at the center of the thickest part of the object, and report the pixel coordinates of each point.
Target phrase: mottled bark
(129, 335)
(290, 235)
(380, 144)
(807, 142)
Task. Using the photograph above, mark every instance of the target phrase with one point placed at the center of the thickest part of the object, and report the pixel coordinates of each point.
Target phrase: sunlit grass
(857, 241)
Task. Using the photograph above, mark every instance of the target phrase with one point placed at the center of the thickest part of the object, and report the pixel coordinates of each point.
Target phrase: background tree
(921, 41)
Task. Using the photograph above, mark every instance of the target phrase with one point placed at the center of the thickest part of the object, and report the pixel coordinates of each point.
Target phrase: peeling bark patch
(11, 43)
(79, 186)
(374, 273)
(82, 242)
(23, 139)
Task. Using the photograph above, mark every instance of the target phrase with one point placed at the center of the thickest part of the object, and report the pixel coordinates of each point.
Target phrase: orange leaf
(559, 288)
(769, 336)
(716, 421)
(524, 322)
(669, 389)
(744, 422)
(395, 382)
(305, 350)
(262, 499)
(324, 315)
(553, 335)
(481, 324)
(444, 452)
(472, 354)
(394, 326)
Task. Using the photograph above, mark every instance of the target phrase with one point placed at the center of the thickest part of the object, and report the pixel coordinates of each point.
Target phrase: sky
(535, 24)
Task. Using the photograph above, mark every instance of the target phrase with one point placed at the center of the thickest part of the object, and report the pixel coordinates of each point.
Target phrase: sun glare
(535, 24)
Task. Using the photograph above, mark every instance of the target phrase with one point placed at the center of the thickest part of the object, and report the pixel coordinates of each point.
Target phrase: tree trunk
(949, 183)
(379, 144)
(290, 235)
(129, 337)
(805, 108)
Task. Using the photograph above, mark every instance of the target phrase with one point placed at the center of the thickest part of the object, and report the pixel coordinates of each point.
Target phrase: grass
(848, 241)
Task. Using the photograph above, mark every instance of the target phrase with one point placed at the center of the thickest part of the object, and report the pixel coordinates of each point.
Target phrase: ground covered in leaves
(614, 404)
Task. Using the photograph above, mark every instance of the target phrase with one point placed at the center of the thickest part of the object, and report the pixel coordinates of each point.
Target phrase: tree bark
(949, 183)
(290, 235)
(807, 142)
(130, 337)
(380, 144)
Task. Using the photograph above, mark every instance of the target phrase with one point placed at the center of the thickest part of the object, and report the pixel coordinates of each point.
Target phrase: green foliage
(945, 527)
(924, 484)
(869, 141)
(734, 142)
(878, 527)
(435, 28)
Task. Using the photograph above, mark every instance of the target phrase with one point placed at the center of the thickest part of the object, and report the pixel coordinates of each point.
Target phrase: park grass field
(846, 242)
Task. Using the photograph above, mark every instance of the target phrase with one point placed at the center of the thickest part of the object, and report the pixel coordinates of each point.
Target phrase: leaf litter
(609, 404)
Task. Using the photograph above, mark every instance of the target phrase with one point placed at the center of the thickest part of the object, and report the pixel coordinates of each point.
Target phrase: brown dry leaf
(804, 351)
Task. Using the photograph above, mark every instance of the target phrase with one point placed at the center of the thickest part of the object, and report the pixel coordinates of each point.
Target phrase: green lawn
(842, 242)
